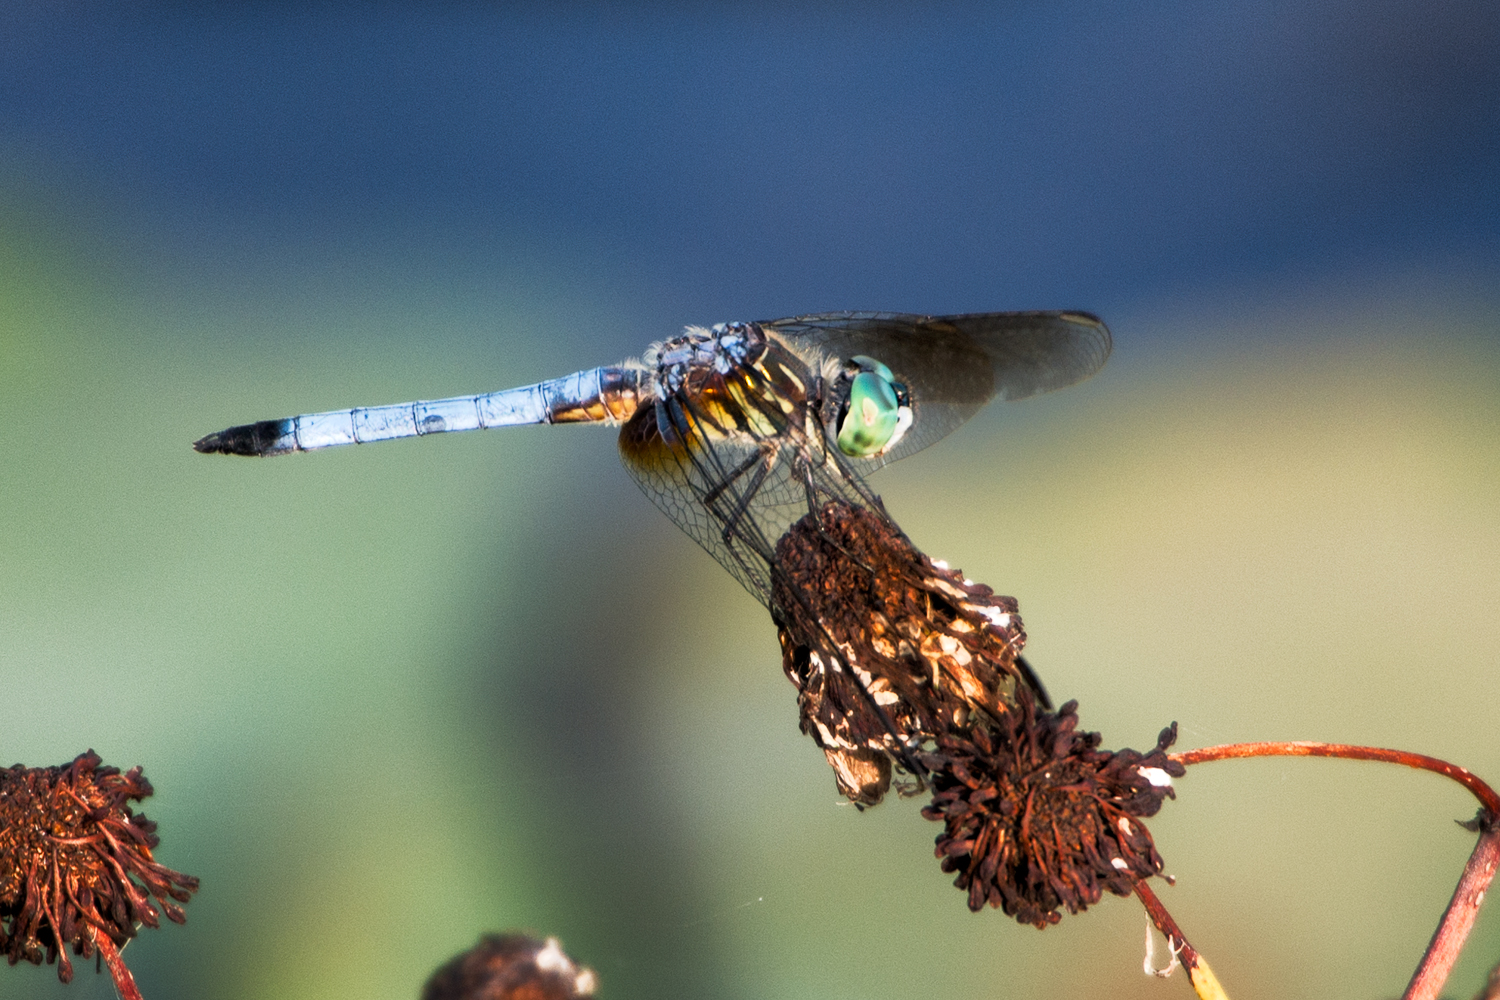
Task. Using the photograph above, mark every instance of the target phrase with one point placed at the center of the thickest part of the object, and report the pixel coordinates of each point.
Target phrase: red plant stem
(1300, 748)
(1205, 984)
(1458, 919)
(1176, 940)
(124, 981)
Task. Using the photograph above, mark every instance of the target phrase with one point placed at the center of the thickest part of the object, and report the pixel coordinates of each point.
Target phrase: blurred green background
(393, 697)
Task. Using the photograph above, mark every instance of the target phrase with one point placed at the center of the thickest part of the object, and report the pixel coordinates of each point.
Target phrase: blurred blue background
(393, 697)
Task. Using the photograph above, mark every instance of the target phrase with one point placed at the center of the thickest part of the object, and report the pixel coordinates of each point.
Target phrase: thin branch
(1300, 748)
(1458, 919)
(124, 981)
(1199, 974)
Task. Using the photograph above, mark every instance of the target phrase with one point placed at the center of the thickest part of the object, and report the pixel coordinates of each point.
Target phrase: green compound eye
(876, 415)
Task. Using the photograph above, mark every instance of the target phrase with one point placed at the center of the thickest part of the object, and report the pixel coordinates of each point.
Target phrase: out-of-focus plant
(511, 967)
(76, 868)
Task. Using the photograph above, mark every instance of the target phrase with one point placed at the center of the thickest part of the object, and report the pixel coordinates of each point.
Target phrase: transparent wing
(678, 476)
(735, 484)
(953, 365)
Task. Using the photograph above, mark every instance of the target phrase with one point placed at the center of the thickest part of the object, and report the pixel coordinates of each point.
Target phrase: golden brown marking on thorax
(640, 440)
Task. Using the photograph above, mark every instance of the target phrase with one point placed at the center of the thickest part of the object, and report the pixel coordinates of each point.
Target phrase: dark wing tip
(1045, 351)
(268, 437)
(1101, 344)
(1104, 340)
(1080, 316)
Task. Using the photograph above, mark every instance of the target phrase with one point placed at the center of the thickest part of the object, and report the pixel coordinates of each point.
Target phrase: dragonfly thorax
(685, 362)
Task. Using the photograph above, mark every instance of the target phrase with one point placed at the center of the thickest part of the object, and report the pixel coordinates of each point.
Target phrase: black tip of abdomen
(268, 437)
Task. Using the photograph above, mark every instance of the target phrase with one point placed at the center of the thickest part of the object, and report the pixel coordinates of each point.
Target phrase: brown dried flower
(511, 967)
(1037, 818)
(75, 862)
(899, 661)
(885, 646)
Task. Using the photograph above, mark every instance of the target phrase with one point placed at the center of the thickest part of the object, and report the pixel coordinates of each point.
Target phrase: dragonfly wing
(736, 451)
(953, 365)
(731, 493)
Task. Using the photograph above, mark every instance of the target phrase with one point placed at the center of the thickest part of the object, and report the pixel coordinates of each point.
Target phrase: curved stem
(1302, 748)
(1458, 919)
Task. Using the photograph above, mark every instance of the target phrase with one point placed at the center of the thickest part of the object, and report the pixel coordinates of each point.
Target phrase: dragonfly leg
(815, 515)
(734, 474)
(682, 416)
(1034, 682)
(732, 522)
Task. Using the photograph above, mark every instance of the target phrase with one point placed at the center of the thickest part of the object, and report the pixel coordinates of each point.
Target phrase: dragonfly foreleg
(712, 496)
(815, 516)
(1034, 682)
(766, 460)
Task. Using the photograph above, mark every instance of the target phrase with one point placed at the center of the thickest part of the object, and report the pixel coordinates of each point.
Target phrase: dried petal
(1037, 818)
(74, 859)
(885, 647)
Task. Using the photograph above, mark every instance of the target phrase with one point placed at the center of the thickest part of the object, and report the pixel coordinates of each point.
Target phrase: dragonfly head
(876, 411)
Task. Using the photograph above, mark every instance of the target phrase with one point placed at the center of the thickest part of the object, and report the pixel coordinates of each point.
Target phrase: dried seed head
(511, 967)
(885, 646)
(1037, 818)
(75, 862)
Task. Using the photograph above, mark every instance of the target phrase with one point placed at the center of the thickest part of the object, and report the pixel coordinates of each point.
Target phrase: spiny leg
(1034, 682)
(749, 463)
(815, 515)
(684, 414)
(685, 420)
(766, 459)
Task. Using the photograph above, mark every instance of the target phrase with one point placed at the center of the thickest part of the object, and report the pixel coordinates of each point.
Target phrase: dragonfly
(738, 430)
